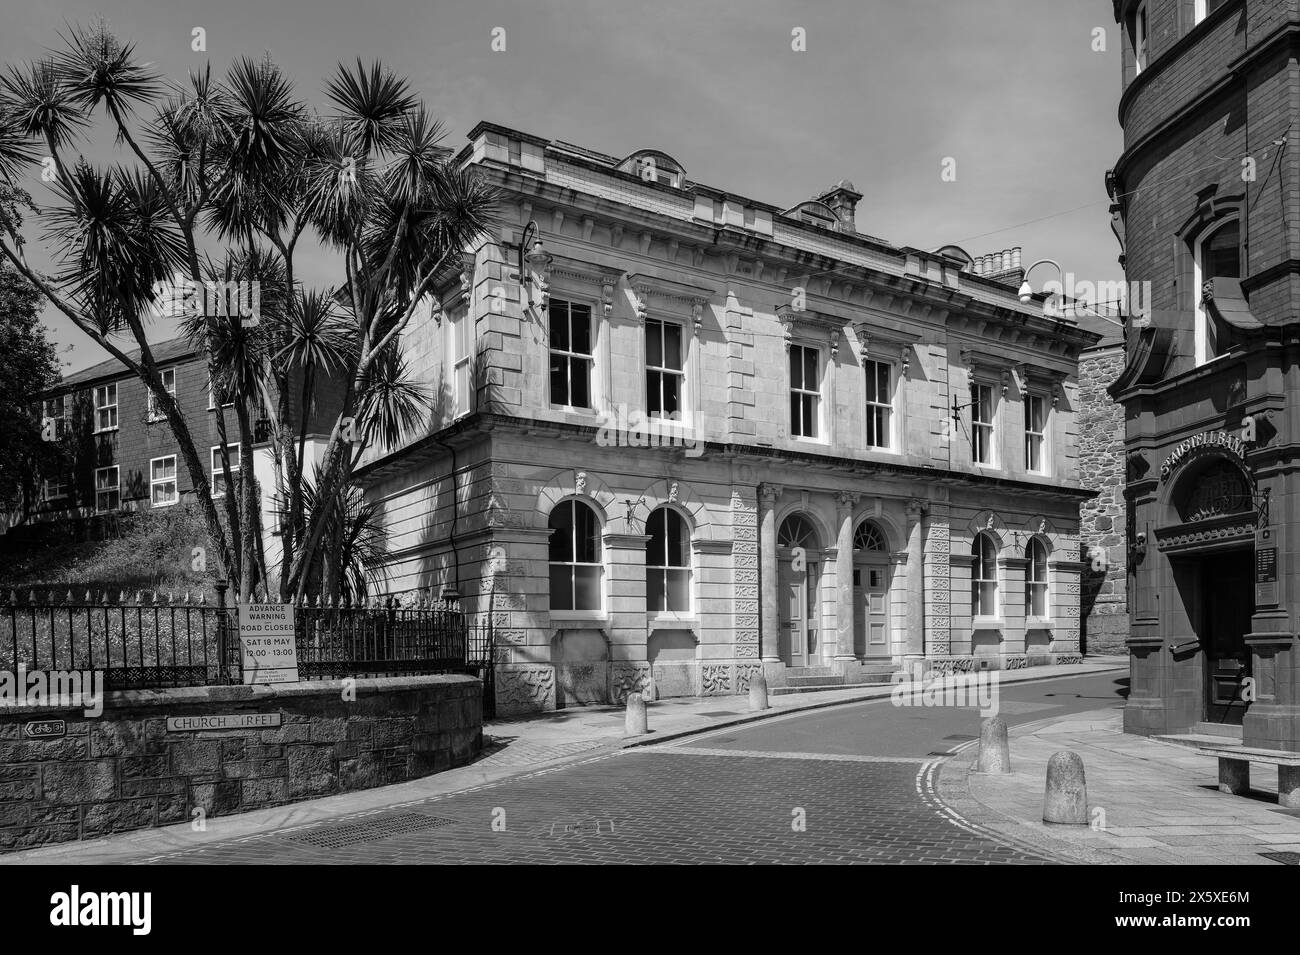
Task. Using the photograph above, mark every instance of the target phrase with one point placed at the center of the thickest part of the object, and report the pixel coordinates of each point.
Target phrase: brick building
(1209, 199)
(124, 456)
(703, 434)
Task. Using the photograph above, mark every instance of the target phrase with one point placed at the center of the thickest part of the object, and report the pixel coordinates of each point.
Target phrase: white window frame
(816, 394)
(54, 489)
(115, 488)
(1033, 585)
(460, 347)
(212, 398)
(589, 357)
(573, 564)
(990, 426)
(1141, 36)
(154, 482)
(152, 411)
(978, 610)
(665, 568)
(1201, 337)
(233, 452)
(665, 371)
(888, 408)
(61, 419)
(106, 406)
(1039, 436)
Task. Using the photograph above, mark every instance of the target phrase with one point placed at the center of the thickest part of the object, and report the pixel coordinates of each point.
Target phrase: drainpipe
(455, 554)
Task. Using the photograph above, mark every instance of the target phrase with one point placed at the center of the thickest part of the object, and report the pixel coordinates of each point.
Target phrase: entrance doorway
(871, 610)
(799, 586)
(1227, 602)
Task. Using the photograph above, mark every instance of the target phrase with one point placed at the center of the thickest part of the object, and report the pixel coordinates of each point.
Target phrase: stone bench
(1234, 770)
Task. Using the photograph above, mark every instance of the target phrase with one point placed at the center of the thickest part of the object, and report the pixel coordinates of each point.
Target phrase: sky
(885, 91)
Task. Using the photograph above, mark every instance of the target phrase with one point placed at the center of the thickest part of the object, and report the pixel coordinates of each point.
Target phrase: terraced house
(679, 434)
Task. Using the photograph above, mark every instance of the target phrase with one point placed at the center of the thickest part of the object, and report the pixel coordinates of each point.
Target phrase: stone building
(1102, 519)
(679, 434)
(1208, 206)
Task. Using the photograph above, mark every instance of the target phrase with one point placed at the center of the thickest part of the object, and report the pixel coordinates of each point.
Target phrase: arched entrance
(799, 567)
(1211, 557)
(872, 575)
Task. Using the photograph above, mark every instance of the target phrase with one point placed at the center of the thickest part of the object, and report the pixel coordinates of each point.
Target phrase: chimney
(843, 199)
(1003, 267)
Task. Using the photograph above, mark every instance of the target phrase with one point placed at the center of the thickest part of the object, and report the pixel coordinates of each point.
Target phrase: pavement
(1150, 802)
(525, 757)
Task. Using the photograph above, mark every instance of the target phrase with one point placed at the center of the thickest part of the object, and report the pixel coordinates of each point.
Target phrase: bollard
(1066, 797)
(758, 692)
(995, 753)
(636, 719)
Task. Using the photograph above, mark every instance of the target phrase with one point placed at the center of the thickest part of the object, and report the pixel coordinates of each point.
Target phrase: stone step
(811, 671)
(819, 679)
(872, 679)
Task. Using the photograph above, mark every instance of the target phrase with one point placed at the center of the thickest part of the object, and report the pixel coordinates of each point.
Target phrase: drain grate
(356, 833)
(600, 827)
(1285, 858)
(722, 713)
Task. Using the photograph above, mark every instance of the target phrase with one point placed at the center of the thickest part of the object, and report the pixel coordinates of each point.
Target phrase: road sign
(266, 639)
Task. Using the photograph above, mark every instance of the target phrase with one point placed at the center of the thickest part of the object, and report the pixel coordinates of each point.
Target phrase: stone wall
(1102, 520)
(126, 770)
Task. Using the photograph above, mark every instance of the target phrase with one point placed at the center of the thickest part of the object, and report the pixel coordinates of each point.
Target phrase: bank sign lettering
(266, 639)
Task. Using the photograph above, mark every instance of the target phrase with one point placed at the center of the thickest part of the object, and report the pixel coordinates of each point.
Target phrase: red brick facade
(1211, 124)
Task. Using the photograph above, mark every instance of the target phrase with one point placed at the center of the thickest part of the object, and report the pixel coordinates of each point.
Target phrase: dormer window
(650, 165)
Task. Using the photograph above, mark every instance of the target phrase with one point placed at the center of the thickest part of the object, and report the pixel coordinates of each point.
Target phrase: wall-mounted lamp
(538, 260)
(1027, 290)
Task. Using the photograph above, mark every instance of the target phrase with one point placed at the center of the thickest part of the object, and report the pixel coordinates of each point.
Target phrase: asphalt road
(845, 784)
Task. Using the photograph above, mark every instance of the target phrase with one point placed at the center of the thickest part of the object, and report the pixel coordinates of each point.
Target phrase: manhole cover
(1286, 858)
(355, 833)
(938, 752)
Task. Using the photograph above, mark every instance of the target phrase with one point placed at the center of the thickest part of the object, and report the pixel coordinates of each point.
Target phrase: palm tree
(245, 164)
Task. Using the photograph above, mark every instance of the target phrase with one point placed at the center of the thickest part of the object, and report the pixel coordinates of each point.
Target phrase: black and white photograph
(690, 432)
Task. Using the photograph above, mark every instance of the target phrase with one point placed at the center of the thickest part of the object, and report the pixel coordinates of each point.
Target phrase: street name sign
(223, 721)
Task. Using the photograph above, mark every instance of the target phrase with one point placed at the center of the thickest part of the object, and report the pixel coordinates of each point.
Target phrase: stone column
(844, 608)
(915, 648)
(767, 495)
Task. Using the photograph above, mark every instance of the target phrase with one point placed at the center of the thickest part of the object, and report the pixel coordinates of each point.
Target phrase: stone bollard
(636, 719)
(758, 692)
(995, 752)
(1066, 798)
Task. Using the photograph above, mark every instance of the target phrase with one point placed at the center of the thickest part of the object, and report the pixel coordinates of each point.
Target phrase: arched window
(668, 562)
(984, 577)
(797, 531)
(869, 537)
(1036, 578)
(1217, 254)
(576, 571)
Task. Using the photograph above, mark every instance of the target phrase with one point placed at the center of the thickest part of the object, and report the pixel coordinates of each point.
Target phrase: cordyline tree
(220, 182)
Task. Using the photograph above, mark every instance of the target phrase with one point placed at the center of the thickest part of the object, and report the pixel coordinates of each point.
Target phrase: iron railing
(148, 640)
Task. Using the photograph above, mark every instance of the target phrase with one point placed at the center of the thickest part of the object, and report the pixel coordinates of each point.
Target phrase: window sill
(164, 504)
(580, 619)
(1039, 623)
(673, 621)
(105, 430)
(988, 623)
